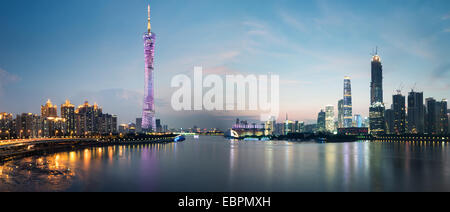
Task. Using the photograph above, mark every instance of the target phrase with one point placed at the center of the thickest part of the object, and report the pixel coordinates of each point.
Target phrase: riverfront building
(68, 113)
(321, 121)
(49, 110)
(416, 110)
(377, 122)
(399, 110)
(341, 113)
(6, 125)
(347, 103)
(329, 118)
(436, 119)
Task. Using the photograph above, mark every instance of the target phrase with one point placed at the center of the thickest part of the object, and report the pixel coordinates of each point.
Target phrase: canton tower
(148, 109)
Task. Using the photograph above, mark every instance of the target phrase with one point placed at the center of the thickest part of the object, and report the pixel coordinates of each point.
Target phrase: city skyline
(117, 78)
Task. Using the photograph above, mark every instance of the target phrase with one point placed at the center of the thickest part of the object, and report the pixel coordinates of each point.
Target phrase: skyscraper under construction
(376, 111)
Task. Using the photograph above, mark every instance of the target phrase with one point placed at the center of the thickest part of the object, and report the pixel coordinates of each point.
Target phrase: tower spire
(149, 26)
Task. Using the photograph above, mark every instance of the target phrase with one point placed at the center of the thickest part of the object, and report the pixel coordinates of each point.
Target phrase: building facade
(6, 125)
(416, 113)
(376, 120)
(329, 118)
(68, 113)
(321, 127)
(341, 113)
(376, 110)
(399, 109)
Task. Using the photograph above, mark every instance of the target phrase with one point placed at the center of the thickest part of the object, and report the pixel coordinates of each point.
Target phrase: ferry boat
(179, 138)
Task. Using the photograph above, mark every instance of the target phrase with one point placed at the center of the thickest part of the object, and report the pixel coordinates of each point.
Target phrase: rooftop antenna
(149, 26)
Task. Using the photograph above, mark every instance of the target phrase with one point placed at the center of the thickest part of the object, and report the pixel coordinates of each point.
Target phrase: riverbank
(13, 152)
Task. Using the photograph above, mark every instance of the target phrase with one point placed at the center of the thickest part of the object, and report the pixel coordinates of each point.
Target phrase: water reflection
(216, 164)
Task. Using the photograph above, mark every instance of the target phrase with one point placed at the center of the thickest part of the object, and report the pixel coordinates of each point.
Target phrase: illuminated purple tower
(148, 109)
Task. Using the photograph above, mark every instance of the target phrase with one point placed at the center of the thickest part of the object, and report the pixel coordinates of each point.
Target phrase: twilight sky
(93, 50)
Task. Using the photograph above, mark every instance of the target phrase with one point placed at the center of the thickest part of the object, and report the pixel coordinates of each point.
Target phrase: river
(216, 164)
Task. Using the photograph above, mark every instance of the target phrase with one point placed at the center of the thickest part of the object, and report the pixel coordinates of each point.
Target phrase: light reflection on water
(216, 164)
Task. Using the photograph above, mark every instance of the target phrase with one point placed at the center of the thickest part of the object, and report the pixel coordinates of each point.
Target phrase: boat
(179, 138)
(231, 134)
(196, 136)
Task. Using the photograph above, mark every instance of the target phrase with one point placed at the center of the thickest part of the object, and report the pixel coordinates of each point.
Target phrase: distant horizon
(93, 51)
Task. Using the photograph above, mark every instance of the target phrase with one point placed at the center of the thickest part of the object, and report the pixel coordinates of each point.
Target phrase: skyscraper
(341, 113)
(399, 109)
(329, 118)
(432, 116)
(68, 113)
(376, 110)
(376, 86)
(321, 121)
(416, 112)
(347, 103)
(436, 116)
(148, 109)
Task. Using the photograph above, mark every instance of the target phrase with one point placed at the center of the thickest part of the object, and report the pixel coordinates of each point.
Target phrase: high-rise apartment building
(49, 110)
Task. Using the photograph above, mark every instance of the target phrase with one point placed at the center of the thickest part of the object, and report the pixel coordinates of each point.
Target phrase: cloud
(292, 21)
(442, 70)
(6, 78)
(446, 17)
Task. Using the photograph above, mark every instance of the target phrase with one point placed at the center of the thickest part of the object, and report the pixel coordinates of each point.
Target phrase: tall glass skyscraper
(347, 103)
(376, 110)
(148, 108)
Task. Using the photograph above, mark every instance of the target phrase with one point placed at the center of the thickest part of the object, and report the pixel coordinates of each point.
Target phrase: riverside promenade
(18, 148)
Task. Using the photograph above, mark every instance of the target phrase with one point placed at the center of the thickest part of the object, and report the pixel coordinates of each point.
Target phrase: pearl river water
(213, 163)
